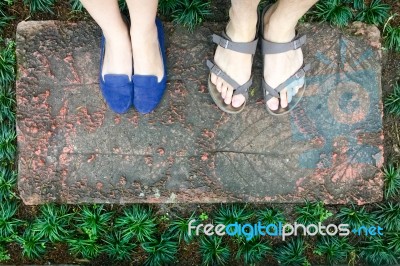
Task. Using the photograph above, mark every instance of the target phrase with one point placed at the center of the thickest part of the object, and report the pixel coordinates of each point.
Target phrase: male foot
(279, 67)
(234, 64)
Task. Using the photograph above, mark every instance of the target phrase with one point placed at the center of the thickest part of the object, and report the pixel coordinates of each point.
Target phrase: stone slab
(72, 149)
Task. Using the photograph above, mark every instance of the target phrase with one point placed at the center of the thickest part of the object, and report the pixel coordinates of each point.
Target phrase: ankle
(143, 37)
(278, 30)
(241, 32)
(143, 29)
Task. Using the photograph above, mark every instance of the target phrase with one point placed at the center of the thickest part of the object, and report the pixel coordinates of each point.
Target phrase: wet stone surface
(72, 149)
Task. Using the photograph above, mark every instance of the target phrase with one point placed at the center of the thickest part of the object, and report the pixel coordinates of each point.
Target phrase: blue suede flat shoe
(148, 92)
(117, 89)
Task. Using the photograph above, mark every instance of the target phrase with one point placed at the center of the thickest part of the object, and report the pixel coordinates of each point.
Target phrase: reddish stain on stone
(70, 60)
(117, 119)
(91, 121)
(204, 157)
(160, 151)
(91, 158)
(99, 185)
(134, 119)
(203, 89)
(208, 133)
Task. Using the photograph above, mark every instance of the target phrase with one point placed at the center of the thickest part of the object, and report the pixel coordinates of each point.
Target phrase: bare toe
(213, 79)
(220, 82)
(273, 104)
(224, 91)
(229, 92)
(238, 100)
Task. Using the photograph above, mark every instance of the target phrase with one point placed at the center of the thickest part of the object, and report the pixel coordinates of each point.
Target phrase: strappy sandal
(269, 92)
(241, 47)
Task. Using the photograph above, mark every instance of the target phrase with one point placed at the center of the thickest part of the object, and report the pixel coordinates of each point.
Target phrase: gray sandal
(269, 92)
(246, 48)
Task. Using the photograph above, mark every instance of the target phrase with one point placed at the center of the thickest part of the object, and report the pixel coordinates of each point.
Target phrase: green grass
(232, 213)
(33, 246)
(166, 7)
(335, 12)
(7, 63)
(253, 251)
(7, 143)
(392, 102)
(214, 251)
(137, 222)
(356, 217)
(358, 4)
(392, 179)
(122, 5)
(8, 181)
(392, 38)
(84, 248)
(4, 255)
(93, 220)
(180, 228)
(191, 13)
(312, 213)
(376, 252)
(116, 247)
(76, 5)
(376, 13)
(388, 216)
(4, 17)
(53, 222)
(7, 102)
(40, 5)
(335, 249)
(161, 251)
(393, 239)
(8, 223)
(292, 252)
(270, 216)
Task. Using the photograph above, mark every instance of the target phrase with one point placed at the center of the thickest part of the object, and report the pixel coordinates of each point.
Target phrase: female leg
(118, 52)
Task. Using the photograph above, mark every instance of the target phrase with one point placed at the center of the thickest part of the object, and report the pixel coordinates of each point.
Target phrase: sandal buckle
(297, 44)
(224, 43)
(300, 74)
(217, 71)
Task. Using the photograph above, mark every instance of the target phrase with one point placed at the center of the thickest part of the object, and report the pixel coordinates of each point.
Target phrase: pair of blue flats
(144, 92)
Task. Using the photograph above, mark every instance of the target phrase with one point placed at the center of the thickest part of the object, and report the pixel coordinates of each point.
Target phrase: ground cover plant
(135, 235)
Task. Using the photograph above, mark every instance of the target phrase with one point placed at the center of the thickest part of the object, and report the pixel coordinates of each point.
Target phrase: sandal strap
(274, 92)
(241, 47)
(238, 89)
(276, 48)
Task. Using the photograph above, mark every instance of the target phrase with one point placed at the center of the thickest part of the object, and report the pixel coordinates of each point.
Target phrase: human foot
(118, 53)
(235, 64)
(150, 80)
(115, 72)
(147, 58)
(279, 67)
